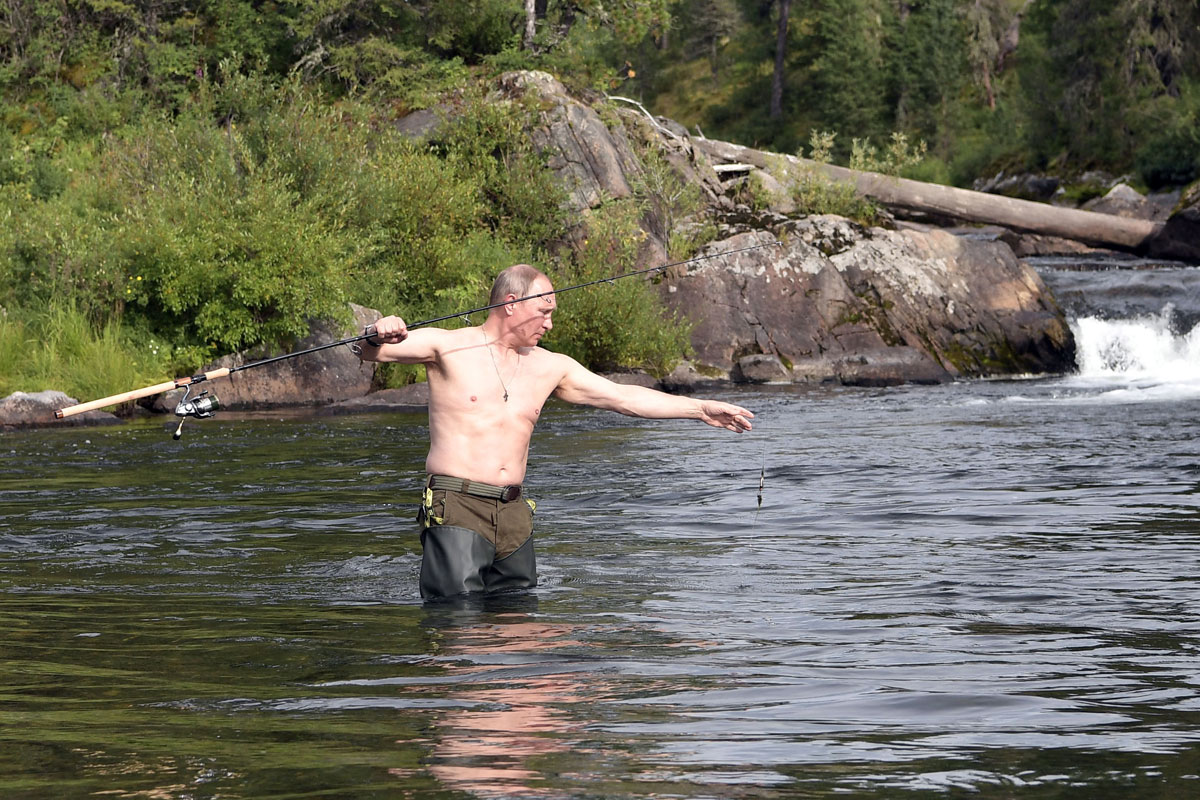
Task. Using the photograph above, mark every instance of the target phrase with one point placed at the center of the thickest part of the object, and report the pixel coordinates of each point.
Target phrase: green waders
(475, 537)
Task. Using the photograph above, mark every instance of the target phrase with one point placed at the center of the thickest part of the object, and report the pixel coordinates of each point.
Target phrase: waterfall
(1136, 325)
(1147, 355)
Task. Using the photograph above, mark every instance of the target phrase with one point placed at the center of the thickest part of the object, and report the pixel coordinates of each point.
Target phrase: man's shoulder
(558, 365)
(550, 359)
(453, 338)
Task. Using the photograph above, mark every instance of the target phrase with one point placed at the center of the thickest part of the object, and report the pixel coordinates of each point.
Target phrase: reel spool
(203, 406)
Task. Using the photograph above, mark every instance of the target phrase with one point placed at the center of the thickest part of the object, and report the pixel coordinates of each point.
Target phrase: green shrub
(895, 158)
(382, 70)
(815, 193)
(1172, 158)
(489, 140)
(268, 204)
(669, 200)
(615, 325)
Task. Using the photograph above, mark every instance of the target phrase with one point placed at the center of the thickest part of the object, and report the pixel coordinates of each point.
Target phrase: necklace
(496, 367)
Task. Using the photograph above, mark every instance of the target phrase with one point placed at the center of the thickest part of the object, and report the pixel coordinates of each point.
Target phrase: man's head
(530, 320)
(514, 283)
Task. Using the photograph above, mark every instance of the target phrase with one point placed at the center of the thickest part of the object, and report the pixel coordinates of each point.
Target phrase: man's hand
(388, 330)
(724, 415)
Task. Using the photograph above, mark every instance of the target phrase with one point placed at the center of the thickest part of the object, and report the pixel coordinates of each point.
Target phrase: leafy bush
(615, 325)
(672, 204)
(897, 157)
(1172, 158)
(817, 194)
(266, 205)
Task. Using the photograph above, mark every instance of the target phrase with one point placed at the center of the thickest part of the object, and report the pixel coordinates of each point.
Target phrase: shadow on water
(984, 587)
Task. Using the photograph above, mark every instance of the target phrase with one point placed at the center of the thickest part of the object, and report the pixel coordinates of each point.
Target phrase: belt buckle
(509, 493)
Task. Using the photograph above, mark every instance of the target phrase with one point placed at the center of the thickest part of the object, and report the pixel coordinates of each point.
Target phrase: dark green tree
(841, 74)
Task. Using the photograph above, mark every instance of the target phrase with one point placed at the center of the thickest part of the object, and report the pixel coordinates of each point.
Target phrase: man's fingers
(390, 329)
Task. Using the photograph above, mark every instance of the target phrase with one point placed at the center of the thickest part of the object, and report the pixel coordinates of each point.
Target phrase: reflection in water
(984, 586)
(514, 688)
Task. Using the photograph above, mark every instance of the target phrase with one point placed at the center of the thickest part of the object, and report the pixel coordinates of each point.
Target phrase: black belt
(505, 494)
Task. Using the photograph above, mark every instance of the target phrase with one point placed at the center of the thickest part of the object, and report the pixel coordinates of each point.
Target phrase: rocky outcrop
(591, 160)
(327, 376)
(36, 410)
(837, 302)
(414, 397)
(1180, 237)
(324, 377)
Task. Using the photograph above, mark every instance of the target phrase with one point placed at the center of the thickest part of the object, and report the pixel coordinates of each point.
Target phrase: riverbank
(878, 300)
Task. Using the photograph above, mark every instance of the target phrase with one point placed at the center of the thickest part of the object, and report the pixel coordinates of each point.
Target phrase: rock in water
(36, 410)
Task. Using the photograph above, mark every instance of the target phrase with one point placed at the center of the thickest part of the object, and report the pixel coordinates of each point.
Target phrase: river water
(986, 587)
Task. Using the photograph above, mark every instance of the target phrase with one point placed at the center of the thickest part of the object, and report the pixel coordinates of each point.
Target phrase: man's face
(531, 319)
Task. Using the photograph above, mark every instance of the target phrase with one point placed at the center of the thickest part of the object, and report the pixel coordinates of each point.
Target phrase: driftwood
(1102, 230)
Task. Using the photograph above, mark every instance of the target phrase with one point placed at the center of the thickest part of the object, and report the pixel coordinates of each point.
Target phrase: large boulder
(1123, 200)
(327, 376)
(1180, 236)
(591, 160)
(869, 306)
(36, 410)
(596, 158)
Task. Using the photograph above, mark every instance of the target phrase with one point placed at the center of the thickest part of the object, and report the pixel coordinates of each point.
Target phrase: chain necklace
(496, 367)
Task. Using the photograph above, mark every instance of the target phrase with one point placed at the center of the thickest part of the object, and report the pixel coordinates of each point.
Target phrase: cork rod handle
(136, 394)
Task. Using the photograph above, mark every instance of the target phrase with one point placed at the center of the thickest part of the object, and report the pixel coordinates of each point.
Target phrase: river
(986, 587)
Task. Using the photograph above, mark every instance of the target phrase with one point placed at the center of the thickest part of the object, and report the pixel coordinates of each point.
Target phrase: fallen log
(1101, 230)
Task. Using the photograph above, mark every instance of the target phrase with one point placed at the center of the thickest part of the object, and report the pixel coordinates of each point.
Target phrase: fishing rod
(205, 404)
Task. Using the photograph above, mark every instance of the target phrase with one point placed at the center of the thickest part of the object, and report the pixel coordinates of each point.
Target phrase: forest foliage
(184, 178)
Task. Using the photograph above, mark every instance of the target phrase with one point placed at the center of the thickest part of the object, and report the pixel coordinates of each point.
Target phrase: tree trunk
(785, 9)
(530, 23)
(1102, 230)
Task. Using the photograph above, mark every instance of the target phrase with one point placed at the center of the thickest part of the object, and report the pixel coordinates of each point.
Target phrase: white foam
(1136, 360)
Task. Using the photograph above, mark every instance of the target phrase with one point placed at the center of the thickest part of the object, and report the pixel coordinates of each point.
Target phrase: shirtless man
(487, 385)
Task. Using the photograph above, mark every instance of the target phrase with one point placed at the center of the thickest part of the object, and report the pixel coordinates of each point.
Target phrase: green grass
(59, 348)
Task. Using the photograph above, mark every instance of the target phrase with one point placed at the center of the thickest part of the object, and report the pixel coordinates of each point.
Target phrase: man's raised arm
(580, 385)
(391, 341)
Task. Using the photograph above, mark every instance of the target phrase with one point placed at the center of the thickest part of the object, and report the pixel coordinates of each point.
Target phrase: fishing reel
(203, 406)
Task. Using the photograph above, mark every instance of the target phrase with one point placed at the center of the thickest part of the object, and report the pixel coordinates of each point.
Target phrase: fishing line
(200, 410)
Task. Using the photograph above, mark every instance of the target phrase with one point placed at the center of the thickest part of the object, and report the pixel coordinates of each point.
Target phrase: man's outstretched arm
(579, 385)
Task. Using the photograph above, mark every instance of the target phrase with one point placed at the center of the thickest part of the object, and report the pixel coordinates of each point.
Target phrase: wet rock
(1031, 244)
(36, 410)
(889, 367)
(1180, 235)
(883, 367)
(320, 378)
(633, 379)
(687, 378)
(840, 302)
(414, 397)
(761, 368)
